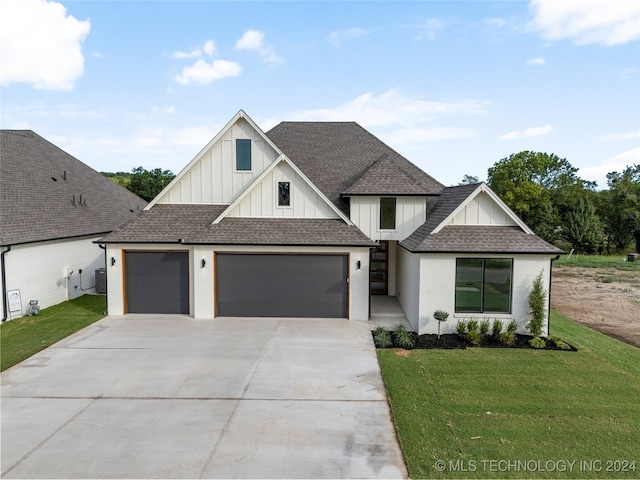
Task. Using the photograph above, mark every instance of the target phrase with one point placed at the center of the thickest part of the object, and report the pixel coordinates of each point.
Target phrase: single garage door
(269, 285)
(157, 282)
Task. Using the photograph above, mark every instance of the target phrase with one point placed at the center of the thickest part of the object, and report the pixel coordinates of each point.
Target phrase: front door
(378, 269)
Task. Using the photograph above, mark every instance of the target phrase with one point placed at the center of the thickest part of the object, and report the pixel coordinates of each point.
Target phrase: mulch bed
(453, 341)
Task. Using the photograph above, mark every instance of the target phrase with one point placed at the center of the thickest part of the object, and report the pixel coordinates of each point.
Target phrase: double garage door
(247, 285)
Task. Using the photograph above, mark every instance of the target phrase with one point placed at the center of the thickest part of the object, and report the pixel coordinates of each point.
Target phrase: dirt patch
(605, 299)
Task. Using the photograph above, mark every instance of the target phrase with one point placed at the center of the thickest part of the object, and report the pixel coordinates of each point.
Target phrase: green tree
(621, 207)
(533, 185)
(582, 228)
(149, 183)
(469, 179)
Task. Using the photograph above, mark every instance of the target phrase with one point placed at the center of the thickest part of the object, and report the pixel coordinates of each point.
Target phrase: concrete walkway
(172, 397)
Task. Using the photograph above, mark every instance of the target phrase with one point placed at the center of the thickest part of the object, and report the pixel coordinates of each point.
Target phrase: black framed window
(243, 154)
(484, 285)
(284, 194)
(387, 213)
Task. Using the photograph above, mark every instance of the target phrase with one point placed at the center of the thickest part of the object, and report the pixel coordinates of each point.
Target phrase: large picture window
(243, 154)
(483, 285)
(387, 213)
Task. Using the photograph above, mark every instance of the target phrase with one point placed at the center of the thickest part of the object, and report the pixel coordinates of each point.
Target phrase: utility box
(101, 281)
(633, 257)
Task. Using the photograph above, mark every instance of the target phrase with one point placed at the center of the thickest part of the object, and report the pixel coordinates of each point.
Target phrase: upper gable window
(387, 213)
(284, 194)
(243, 154)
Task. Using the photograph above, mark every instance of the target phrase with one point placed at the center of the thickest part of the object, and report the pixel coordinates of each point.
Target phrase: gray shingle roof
(35, 207)
(385, 177)
(483, 239)
(335, 155)
(192, 224)
(450, 199)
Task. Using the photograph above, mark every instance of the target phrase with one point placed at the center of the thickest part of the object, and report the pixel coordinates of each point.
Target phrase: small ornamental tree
(441, 316)
(537, 300)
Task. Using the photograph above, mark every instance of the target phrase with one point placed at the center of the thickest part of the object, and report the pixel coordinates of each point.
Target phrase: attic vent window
(284, 194)
(387, 213)
(243, 154)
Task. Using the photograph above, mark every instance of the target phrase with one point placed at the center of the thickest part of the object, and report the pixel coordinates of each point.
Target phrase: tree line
(144, 183)
(546, 192)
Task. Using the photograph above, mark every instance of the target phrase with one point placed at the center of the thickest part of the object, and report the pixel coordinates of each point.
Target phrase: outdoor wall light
(358, 265)
(203, 262)
(113, 261)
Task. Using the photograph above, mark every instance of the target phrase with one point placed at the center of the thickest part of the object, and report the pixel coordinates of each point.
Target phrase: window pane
(284, 199)
(243, 154)
(497, 285)
(388, 213)
(469, 285)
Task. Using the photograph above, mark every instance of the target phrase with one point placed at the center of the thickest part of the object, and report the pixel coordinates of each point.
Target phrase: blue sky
(454, 86)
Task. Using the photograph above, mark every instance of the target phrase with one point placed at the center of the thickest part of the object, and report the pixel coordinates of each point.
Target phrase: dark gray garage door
(264, 285)
(157, 282)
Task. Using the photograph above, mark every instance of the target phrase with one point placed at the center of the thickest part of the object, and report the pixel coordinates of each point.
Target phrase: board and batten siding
(262, 199)
(411, 212)
(213, 179)
(482, 210)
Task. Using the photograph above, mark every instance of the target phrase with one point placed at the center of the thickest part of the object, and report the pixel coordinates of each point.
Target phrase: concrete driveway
(172, 397)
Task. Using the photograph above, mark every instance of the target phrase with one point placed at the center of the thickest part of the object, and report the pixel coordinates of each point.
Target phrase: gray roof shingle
(35, 207)
(483, 239)
(335, 155)
(192, 224)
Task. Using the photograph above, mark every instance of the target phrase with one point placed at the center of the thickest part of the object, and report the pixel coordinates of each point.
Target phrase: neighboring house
(52, 209)
(309, 220)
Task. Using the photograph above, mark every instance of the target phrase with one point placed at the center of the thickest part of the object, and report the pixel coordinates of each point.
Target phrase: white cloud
(537, 61)
(40, 44)
(391, 108)
(598, 173)
(204, 73)
(254, 40)
(407, 136)
(529, 132)
(338, 36)
(428, 28)
(586, 22)
(495, 22)
(209, 48)
(617, 137)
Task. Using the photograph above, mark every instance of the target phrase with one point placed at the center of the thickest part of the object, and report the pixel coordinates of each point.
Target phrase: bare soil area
(605, 299)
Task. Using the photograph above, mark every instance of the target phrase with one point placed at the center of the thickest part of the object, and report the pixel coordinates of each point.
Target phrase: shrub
(537, 342)
(484, 327)
(559, 343)
(473, 334)
(509, 337)
(537, 299)
(402, 337)
(382, 338)
(461, 328)
(496, 329)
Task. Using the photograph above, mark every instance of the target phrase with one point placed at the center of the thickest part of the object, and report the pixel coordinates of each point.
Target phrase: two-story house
(309, 220)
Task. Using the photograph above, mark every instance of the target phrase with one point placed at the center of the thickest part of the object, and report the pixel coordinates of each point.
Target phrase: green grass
(475, 405)
(599, 261)
(23, 337)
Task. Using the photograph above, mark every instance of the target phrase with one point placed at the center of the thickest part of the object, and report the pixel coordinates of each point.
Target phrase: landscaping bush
(509, 337)
(382, 338)
(461, 328)
(473, 334)
(537, 342)
(402, 337)
(496, 329)
(484, 327)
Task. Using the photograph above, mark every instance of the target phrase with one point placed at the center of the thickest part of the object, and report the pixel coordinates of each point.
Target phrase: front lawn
(23, 337)
(518, 413)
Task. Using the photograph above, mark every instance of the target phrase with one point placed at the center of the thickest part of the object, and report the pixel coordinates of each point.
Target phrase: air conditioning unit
(101, 281)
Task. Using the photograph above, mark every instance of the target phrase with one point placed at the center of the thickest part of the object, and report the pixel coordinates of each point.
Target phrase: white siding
(262, 199)
(201, 281)
(213, 178)
(410, 214)
(38, 271)
(482, 210)
(408, 284)
(437, 290)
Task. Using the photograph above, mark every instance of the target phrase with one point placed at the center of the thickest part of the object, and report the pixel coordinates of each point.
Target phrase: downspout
(104, 247)
(550, 282)
(5, 311)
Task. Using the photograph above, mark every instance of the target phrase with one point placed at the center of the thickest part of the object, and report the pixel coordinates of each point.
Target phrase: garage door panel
(157, 282)
(265, 285)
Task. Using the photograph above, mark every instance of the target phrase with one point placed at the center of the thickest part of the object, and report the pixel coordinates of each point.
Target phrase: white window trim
(277, 195)
(235, 157)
